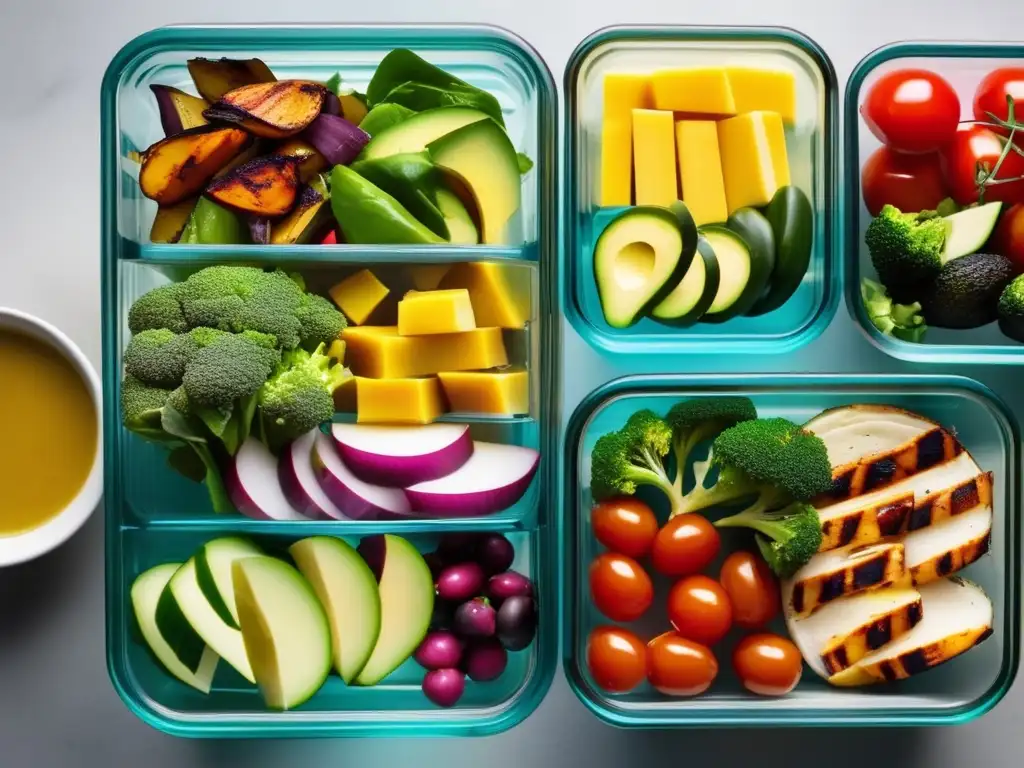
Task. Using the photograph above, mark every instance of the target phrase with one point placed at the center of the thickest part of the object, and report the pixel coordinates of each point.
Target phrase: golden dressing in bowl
(48, 432)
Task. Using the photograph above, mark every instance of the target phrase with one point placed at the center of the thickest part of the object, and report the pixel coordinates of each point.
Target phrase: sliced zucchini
(690, 299)
(213, 571)
(182, 653)
(792, 221)
(745, 249)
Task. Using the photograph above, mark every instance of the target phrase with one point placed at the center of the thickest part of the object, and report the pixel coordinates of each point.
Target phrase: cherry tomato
(752, 589)
(976, 146)
(699, 609)
(1008, 239)
(680, 667)
(910, 182)
(686, 544)
(992, 92)
(912, 110)
(616, 658)
(768, 665)
(625, 525)
(620, 587)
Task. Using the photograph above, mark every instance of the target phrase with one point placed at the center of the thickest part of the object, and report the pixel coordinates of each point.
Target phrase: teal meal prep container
(154, 516)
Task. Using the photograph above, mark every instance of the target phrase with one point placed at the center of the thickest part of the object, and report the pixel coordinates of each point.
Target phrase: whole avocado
(966, 292)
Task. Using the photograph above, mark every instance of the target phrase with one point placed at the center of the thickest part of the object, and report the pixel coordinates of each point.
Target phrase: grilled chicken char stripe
(854, 646)
(869, 473)
(857, 570)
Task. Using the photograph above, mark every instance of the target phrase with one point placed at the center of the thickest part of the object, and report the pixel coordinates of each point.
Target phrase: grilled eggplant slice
(271, 110)
(215, 77)
(845, 631)
(311, 162)
(179, 111)
(179, 167)
(266, 186)
(841, 573)
(170, 221)
(957, 616)
(946, 547)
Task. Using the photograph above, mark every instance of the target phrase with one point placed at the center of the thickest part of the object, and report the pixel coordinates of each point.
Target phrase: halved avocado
(481, 156)
(416, 132)
(694, 293)
(745, 248)
(640, 257)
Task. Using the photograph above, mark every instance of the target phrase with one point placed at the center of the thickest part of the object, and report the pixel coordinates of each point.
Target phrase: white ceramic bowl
(21, 547)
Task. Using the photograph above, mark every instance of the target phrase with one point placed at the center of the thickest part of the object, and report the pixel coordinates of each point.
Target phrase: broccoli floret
(906, 249)
(694, 421)
(141, 405)
(787, 537)
(1011, 302)
(158, 357)
(231, 367)
(633, 456)
(237, 299)
(299, 396)
(320, 321)
(159, 308)
(178, 400)
(903, 321)
(772, 459)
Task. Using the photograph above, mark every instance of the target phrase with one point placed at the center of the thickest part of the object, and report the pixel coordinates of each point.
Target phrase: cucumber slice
(213, 571)
(693, 295)
(184, 654)
(792, 221)
(285, 630)
(347, 589)
(969, 230)
(184, 604)
(734, 267)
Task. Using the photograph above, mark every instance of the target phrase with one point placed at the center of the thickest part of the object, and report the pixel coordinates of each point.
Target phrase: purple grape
(439, 650)
(485, 659)
(516, 622)
(373, 550)
(506, 585)
(458, 583)
(475, 618)
(444, 687)
(495, 553)
(458, 547)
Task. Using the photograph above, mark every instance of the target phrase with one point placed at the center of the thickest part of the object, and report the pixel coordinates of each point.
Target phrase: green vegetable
(525, 163)
(413, 180)
(1011, 309)
(299, 394)
(787, 537)
(160, 308)
(368, 214)
(212, 224)
(402, 77)
(906, 248)
(966, 292)
(384, 116)
(902, 321)
(694, 421)
(792, 222)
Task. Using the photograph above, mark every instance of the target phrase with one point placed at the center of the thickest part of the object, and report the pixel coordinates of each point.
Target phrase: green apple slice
(213, 570)
(286, 633)
(347, 589)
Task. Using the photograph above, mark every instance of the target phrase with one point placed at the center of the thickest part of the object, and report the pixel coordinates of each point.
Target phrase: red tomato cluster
(700, 609)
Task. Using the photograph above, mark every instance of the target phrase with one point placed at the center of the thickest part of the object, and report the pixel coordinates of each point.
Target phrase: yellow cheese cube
(337, 350)
(345, 396)
(398, 401)
(500, 293)
(499, 392)
(694, 91)
(777, 147)
(700, 171)
(772, 90)
(426, 277)
(378, 352)
(654, 157)
(358, 295)
(748, 165)
(426, 312)
(622, 94)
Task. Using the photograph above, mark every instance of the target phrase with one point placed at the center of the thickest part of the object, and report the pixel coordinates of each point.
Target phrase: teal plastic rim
(629, 341)
(981, 353)
(115, 249)
(729, 712)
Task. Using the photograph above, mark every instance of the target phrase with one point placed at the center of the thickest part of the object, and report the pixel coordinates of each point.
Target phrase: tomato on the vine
(625, 525)
(912, 110)
(912, 183)
(620, 587)
(1008, 239)
(990, 97)
(974, 148)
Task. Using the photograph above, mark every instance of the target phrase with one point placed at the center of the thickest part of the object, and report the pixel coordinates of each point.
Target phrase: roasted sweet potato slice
(215, 77)
(179, 111)
(266, 186)
(307, 220)
(170, 221)
(311, 162)
(271, 110)
(179, 166)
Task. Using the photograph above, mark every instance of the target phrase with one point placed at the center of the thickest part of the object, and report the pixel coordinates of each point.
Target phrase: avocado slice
(969, 230)
(640, 257)
(414, 133)
(745, 248)
(481, 156)
(461, 227)
(692, 296)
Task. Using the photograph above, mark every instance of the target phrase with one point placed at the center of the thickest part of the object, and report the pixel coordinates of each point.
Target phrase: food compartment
(231, 137)
(901, 549)
(396, 704)
(737, 124)
(942, 293)
(468, 437)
